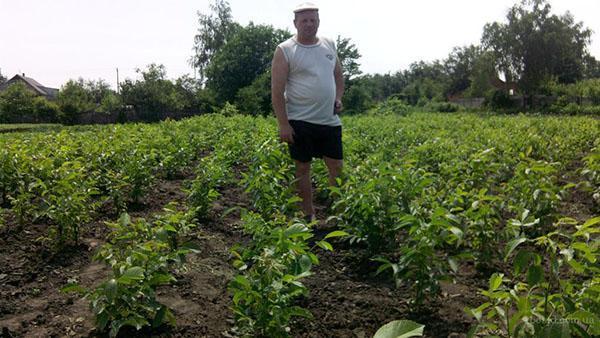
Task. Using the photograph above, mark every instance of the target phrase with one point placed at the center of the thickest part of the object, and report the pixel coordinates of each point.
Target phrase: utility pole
(118, 80)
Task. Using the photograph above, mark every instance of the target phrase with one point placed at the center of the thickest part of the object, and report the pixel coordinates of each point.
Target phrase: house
(510, 88)
(33, 85)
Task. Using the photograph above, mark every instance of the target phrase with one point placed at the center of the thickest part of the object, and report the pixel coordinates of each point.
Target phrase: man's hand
(286, 133)
(337, 107)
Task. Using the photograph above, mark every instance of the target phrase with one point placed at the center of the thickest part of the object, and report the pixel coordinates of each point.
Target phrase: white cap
(306, 6)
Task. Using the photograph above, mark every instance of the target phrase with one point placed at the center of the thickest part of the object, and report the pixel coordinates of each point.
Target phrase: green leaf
(337, 233)
(159, 317)
(110, 289)
(242, 281)
(457, 232)
(512, 245)
(588, 319)
(305, 263)
(132, 274)
(400, 329)
(295, 230)
(301, 312)
(478, 312)
(535, 275)
(386, 265)
(591, 222)
(578, 267)
(554, 330)
(587, 251)
(161, 279)
(102, 319)
(73, 287)
(325, 245)
(522, 258)
(170, 228)
(496, 281)
(453, 264)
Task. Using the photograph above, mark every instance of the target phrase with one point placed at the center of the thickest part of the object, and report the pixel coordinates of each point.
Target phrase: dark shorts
(315, 141)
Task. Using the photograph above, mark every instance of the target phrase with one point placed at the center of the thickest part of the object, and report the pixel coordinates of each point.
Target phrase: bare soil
(346, 298)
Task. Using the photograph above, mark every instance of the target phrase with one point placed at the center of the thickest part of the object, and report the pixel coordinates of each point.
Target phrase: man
(306, 91)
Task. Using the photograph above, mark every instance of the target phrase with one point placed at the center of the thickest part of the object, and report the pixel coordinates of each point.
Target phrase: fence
(520, 101)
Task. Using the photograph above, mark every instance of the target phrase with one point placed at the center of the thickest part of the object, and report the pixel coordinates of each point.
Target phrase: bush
(229, 109)
(357, 99)
(45, 111)
(575, 109)
(16, 102)
(255, 99)
(206, 101)
(390, 106)
(499, 99)
(443, 107)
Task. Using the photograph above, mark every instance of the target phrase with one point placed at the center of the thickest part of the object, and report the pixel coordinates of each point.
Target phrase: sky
(54, 41)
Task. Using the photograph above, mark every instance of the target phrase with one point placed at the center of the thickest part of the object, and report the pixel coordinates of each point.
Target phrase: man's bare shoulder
(288, 43)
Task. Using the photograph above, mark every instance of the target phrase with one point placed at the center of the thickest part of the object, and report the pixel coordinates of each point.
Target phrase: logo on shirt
(329, 56)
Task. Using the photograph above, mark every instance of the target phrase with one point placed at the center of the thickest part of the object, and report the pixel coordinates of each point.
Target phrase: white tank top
(310, 87)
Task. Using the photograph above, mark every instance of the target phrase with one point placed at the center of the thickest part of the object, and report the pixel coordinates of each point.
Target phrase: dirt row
(346, 298)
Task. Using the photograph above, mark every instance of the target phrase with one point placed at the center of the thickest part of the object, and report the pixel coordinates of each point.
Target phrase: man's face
(307, 23)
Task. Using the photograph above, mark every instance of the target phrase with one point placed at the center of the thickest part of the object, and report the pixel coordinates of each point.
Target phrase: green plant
(70, 201)
(419, 265)
(369, 203)
(534, 188)
(202, 190)
(270, 179)
(273, 267)
(390, 106)
(140, 255)
(550, 299)
(400, 329)
(591, 171)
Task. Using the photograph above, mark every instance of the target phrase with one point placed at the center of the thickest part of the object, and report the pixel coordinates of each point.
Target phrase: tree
(591, 67)
(44, 110)
(425, 81)
(482, 73)
(246, 56)
(16, 102)
(97, 90)
(255, 99)
(74, 99)
(348, 54)
(534, 46)
(153, 96)
(2, 77)
(214, 32)
(357, 99)
(459, 66)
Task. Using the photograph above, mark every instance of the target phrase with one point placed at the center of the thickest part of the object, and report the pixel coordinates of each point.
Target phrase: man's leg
(334, 167)
(304, 185)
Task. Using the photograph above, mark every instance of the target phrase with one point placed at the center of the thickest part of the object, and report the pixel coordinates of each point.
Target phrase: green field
(5, 128)
(503, 208)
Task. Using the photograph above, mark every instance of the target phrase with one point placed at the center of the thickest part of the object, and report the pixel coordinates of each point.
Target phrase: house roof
(46, 91)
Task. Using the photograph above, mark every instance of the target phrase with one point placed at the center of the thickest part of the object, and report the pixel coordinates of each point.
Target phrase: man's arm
(339, 86)
(279, 75)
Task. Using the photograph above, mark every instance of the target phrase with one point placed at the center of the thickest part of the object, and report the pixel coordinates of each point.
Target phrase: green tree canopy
(459, 66)
(215, 30)
(425, 81)
(74, 98)
(243, 59)
(535, 46)
(482, 73)
(16, 101)
(348, 55)
(153, 95)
